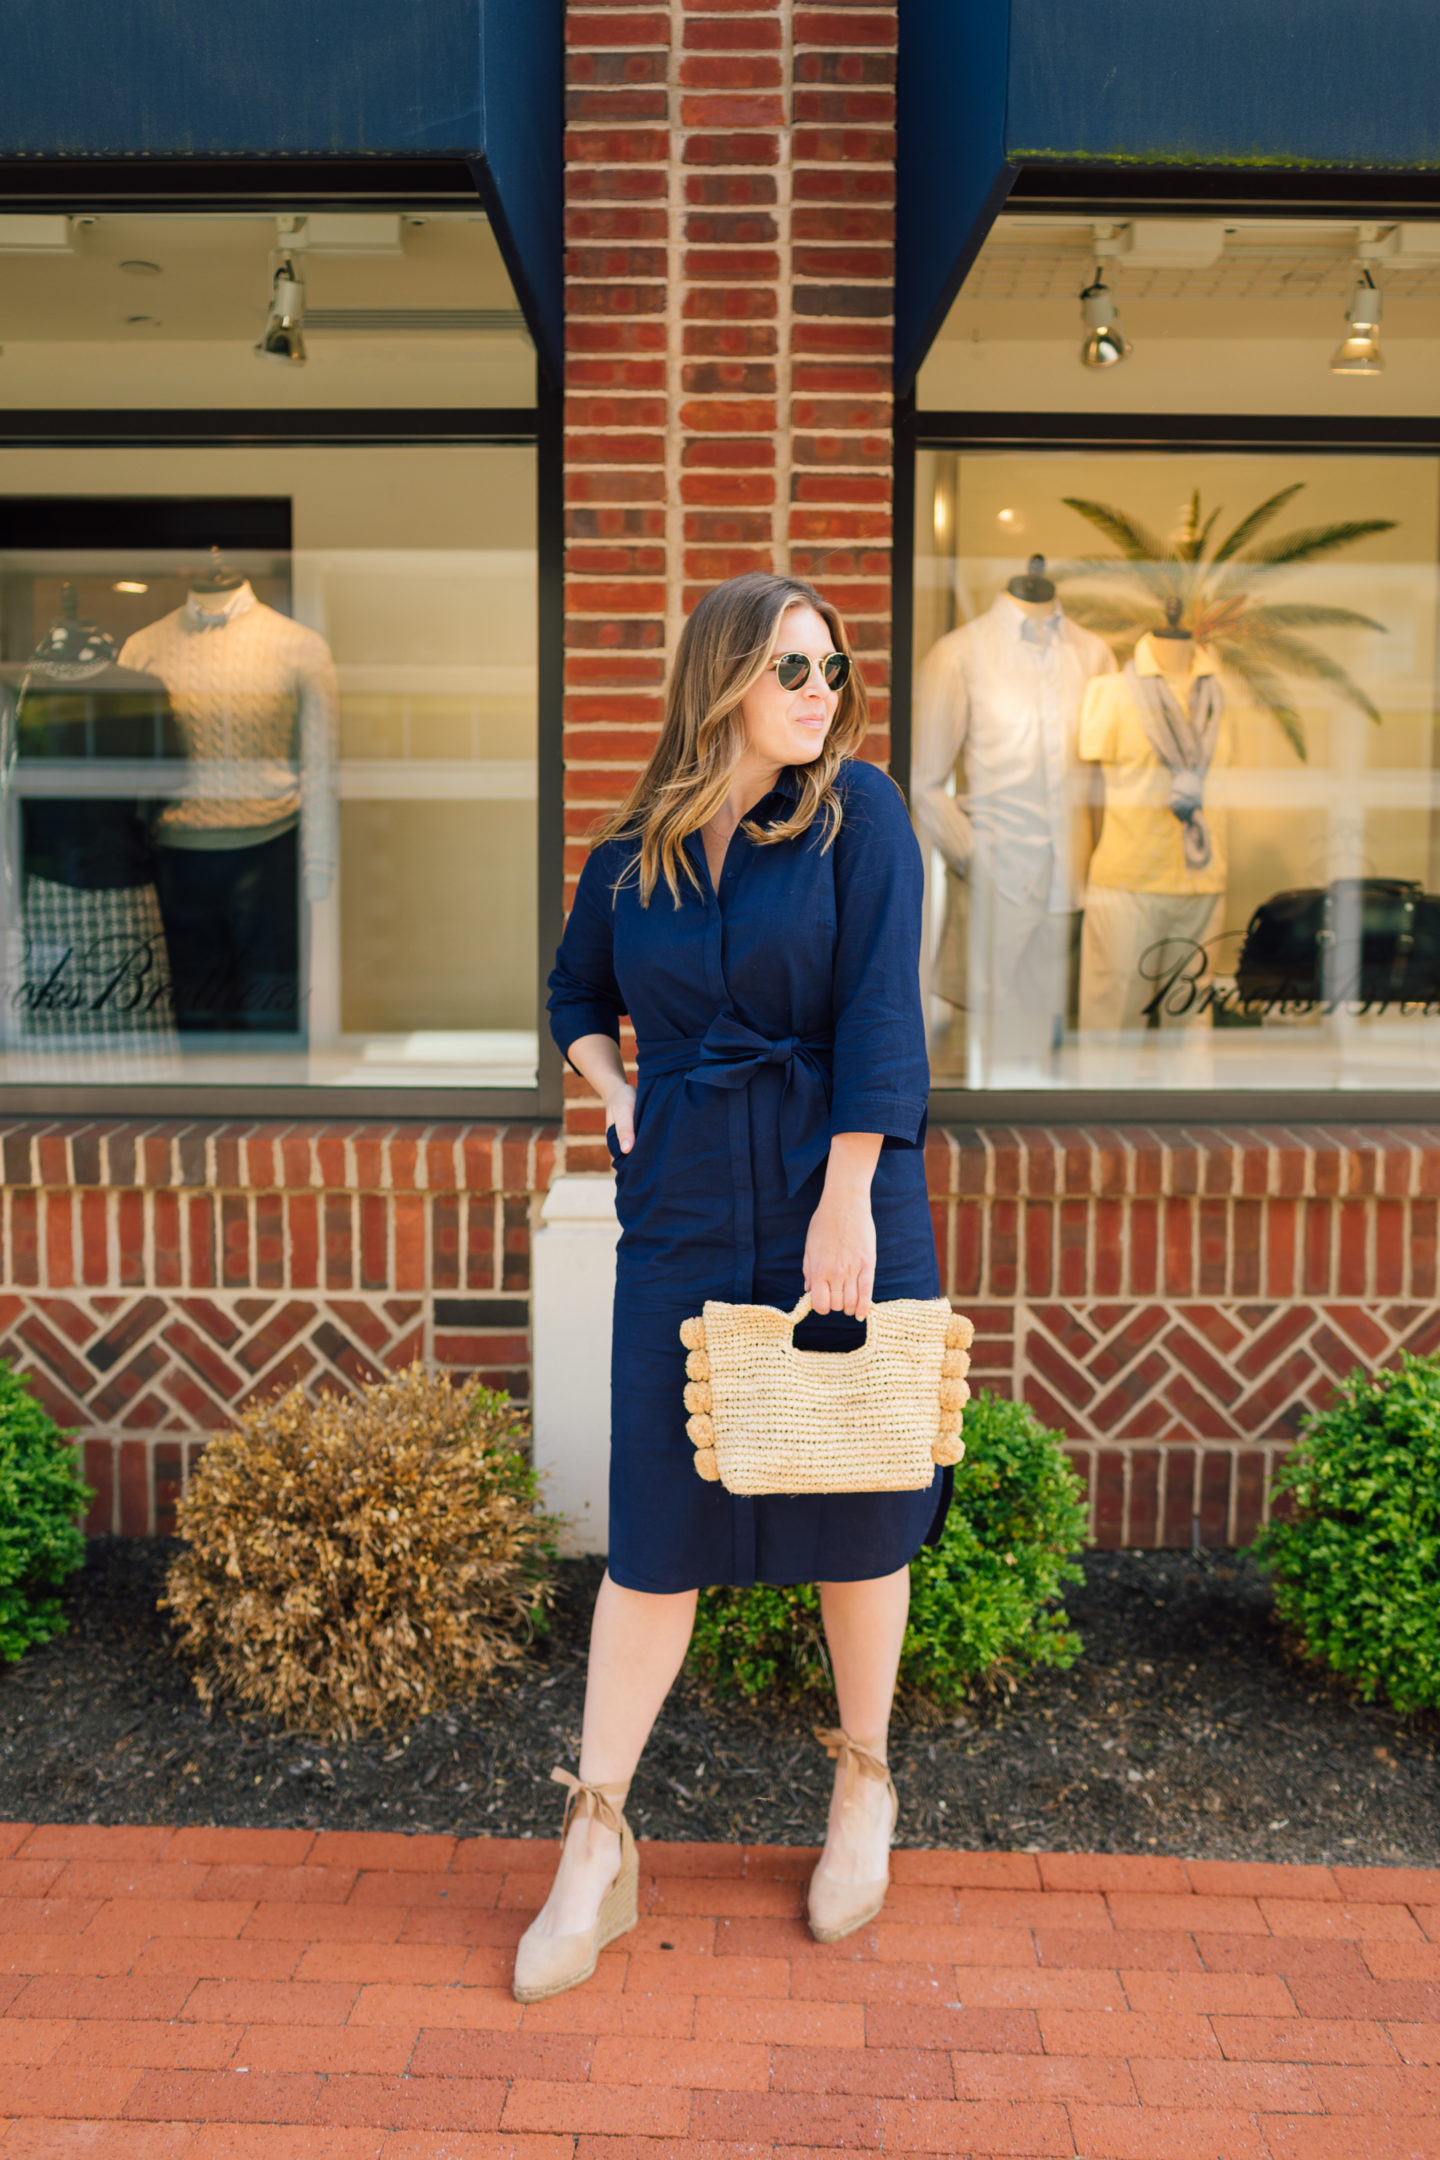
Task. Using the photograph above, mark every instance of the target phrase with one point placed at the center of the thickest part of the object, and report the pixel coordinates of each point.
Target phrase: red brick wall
(1175, 1301)
(156, 1278)
(729, 203)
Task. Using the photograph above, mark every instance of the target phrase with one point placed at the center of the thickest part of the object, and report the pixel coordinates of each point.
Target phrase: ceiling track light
(283, 337)
(1106, 344)
(1358, 352)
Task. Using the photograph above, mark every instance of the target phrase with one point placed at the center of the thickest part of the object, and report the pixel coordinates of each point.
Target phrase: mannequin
(1174, 645)
(994, 789)
(95, 965)
(257, 703)
(1033, 590)
(1158, 871)
(218, 578)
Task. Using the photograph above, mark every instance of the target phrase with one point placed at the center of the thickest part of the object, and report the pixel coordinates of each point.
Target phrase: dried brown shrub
(357, 1561)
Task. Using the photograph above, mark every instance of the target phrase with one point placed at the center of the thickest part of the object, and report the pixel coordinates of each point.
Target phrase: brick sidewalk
(227, 1994)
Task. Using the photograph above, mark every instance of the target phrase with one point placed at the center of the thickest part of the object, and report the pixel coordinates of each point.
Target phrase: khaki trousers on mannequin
(1139, 950)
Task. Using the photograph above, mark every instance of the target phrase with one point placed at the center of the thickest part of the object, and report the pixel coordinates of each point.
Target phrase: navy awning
(988, 88)
(478, 81)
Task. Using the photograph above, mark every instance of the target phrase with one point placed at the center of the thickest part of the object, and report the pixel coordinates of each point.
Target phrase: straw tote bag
(768, 1418)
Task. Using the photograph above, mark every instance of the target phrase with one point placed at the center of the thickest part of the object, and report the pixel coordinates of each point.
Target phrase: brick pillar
(617, 151)
(729, 203)
(842, 333)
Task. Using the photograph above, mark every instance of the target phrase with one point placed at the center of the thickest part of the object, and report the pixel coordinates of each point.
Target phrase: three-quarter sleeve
(882, 1072)
(585, 998)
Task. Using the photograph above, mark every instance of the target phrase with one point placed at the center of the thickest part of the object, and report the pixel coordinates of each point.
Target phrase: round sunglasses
(793, 669)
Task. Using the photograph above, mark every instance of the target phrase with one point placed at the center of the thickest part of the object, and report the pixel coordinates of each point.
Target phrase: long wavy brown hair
(725, 648)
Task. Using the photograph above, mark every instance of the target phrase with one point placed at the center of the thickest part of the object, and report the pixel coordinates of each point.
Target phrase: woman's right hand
(620, 1112)
(597, 1059)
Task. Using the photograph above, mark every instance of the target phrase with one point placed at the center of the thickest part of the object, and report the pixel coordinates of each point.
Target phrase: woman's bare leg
(864, 1627)
(637, 1645)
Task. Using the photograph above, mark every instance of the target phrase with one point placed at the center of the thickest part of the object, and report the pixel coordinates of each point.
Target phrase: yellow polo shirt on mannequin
(1140, 847)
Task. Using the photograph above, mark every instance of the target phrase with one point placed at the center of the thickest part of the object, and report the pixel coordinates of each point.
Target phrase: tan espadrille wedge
(546, 1965)
(836, 1909)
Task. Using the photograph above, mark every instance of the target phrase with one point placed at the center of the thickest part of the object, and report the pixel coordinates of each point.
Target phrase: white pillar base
(573, 1294)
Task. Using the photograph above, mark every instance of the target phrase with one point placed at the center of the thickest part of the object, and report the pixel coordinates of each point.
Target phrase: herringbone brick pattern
(158, 1278)
(276, 1995)
(1175, 1301)
(1217, 1390)
(141, 1381)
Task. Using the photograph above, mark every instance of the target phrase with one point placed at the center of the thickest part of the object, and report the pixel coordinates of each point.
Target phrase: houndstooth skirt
(95, 965)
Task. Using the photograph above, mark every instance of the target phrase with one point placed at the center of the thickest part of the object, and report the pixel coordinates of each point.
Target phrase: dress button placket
(744, 1560)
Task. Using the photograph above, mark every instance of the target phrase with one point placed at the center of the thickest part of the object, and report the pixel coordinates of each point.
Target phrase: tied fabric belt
(729, 1054)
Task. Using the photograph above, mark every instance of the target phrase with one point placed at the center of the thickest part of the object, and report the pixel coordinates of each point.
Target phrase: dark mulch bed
(1184, 1728)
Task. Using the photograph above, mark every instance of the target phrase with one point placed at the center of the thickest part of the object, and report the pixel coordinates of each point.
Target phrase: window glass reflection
(267, 714)
(267, 767)
(1175, 768)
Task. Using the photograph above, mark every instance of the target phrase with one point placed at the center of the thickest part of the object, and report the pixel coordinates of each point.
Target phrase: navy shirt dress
(768, 1015)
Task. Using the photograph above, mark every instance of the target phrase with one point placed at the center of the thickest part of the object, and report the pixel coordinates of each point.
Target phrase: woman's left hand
(840, 1243)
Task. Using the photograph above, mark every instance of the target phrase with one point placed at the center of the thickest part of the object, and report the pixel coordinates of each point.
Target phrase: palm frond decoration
(1135, 541)
(1257, 519)
(1221, 591)
(1267, 690)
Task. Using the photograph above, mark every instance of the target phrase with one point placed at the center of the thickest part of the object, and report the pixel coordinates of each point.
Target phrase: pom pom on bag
(768, 1418)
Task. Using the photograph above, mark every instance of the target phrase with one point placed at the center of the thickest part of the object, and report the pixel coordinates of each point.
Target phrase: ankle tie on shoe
(854, 1756)
(841, 1749)
(601, 1803)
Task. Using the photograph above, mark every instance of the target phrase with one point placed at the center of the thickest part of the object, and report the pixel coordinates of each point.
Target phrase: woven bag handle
(800, 1311)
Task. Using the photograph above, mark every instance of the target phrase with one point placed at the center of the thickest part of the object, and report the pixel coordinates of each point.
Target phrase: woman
(755, 908)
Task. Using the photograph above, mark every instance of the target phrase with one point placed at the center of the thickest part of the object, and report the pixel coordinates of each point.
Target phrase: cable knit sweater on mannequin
(248, 686)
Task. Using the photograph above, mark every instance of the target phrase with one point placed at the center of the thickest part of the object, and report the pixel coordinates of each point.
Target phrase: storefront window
(1176, 756)
(268, 770)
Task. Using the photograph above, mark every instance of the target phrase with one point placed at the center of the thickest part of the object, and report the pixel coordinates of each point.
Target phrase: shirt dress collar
(787, 784)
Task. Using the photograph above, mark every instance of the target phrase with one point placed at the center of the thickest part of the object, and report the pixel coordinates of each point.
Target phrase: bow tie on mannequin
(212, 611)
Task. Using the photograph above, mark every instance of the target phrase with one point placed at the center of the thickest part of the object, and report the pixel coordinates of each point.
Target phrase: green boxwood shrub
(41, 1496)
(1356, 1562)
(983, 1603)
